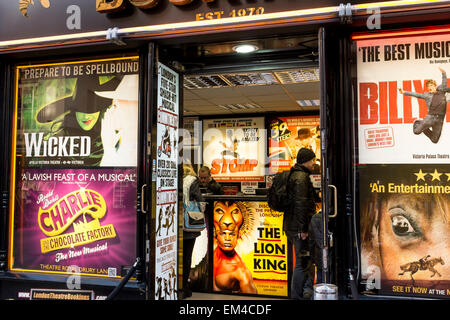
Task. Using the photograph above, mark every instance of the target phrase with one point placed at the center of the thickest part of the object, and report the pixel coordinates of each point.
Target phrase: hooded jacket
(302, 198)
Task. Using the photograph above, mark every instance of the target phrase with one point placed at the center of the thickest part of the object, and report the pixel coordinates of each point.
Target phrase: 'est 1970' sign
(108, 6)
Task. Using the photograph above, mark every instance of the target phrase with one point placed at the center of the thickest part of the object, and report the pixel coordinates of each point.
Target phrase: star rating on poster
(434, 175)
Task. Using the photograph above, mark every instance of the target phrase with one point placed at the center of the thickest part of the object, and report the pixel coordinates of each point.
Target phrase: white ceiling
(256, 98)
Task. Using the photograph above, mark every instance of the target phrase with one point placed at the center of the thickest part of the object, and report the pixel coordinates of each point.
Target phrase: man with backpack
(302, 205)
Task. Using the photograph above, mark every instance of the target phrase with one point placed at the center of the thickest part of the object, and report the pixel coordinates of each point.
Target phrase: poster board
(390, 124)
(166, 233)
(287, 136)
(74, 167)
(403, 169)
(249, 236)
(234, 149)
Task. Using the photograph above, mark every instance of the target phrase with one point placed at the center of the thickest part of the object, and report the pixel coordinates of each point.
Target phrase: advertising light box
(234, 149)
(74, 167)
(403, 170)
(287, 136)
(402, 100)
(256, 249)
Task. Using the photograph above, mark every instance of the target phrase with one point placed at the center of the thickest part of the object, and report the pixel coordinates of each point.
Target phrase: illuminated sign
(74, 204)
(234, 149)
(167, 17)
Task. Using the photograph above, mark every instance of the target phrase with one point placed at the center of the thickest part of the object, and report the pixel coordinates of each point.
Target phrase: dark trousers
(188, 247)
(319, 276)
(431, 126)
(301, 277)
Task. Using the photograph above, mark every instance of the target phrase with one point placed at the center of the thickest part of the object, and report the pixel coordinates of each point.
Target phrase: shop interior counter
(215, 197)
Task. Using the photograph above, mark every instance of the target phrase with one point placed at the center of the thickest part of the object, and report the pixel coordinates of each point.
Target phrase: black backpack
(277, 195)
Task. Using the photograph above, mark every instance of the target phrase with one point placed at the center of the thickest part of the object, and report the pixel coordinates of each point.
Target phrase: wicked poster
(404, 214)
(234, 149)
(74, 217)
(78, 114)
(248, 236)
(403, 114)
(74, 119)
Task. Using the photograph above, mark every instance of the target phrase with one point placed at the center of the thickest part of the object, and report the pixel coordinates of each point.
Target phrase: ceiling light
(245, 48)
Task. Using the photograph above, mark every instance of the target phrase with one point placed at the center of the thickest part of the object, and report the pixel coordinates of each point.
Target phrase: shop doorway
(245, 116)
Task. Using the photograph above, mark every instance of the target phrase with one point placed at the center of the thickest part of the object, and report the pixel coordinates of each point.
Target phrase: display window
(74, 166)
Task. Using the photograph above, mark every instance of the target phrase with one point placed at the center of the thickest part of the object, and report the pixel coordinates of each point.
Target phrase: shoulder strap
(288, 181)
(289, 176)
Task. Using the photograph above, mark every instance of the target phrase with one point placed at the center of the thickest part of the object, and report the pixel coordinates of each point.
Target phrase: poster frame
(15, 71)
(375, 283)
(158, 154)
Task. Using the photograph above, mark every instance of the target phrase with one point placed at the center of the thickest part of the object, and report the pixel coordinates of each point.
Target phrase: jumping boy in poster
(436, 101)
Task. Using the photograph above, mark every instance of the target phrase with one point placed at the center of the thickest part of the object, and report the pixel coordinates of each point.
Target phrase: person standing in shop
(296, 220)
(191, 191)
(208, 182)
(315, 235)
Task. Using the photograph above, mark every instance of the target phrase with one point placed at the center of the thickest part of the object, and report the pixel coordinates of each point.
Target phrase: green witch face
(87, 120)
(84, 102)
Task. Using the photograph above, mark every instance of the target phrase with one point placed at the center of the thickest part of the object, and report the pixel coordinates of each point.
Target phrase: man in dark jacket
(206, 181)
(302, 199)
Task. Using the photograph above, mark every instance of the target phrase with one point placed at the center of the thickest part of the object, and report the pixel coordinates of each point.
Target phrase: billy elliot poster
(403, 114)
(403, 172)
(74, 167)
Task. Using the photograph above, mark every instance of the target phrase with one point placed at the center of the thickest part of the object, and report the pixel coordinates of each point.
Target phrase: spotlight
(245, 48)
